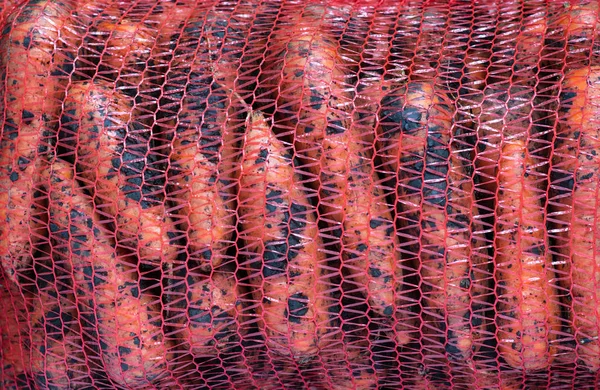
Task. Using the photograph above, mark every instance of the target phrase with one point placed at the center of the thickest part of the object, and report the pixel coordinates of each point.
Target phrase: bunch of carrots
(185, 189)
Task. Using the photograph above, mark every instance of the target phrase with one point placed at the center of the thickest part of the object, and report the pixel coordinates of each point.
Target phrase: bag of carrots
(318, 194)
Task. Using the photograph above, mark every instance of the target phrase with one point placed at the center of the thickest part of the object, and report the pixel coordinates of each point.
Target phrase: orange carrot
(373, 82)
(574, 26)
(357, 371)
(504, 113)
(203, 170)
(516, 50)
(527, 316)
(114, 161)
(320, 115)
(574, 205)
(286, 262)
(123, 323)
(35, 65)
(437, 210)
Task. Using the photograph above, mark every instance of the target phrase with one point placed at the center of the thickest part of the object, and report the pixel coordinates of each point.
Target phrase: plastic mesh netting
(292, 194)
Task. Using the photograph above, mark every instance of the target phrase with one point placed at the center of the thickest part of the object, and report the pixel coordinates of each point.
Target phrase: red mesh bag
(322, 195)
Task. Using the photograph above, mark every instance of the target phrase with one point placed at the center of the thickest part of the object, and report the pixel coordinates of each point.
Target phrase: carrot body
(214, 42)
(436, 213)
(114, 161)
(506, 72)
(574, 205)
(209, 327)
(285, 259)
(226, 39)
(530, 42)
(203, 168)
(477, 62)
(433, 19)
(403, 48)
(123, 325)
(324, 139)
(33, 83)
(527, 316)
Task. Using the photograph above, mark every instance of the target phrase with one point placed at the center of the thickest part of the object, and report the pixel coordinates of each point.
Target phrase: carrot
(578, 18)
(225, 34)
(264, 17)
(13, 326)
(285, 260)
(490, 379)
(574, 205)
(508, 106)
(202, 125)
(527, 316)
(214, 41)
(530, 42)
(437, 225)
(475, 51)
(331, 149)
(319, 113)
(122, 322)
(34, 65)
(203, 169)
(371, 247)
(56, 358)
(504, 69)
(282, 376)
(133, 46)
(114, 161)
(477, 62)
